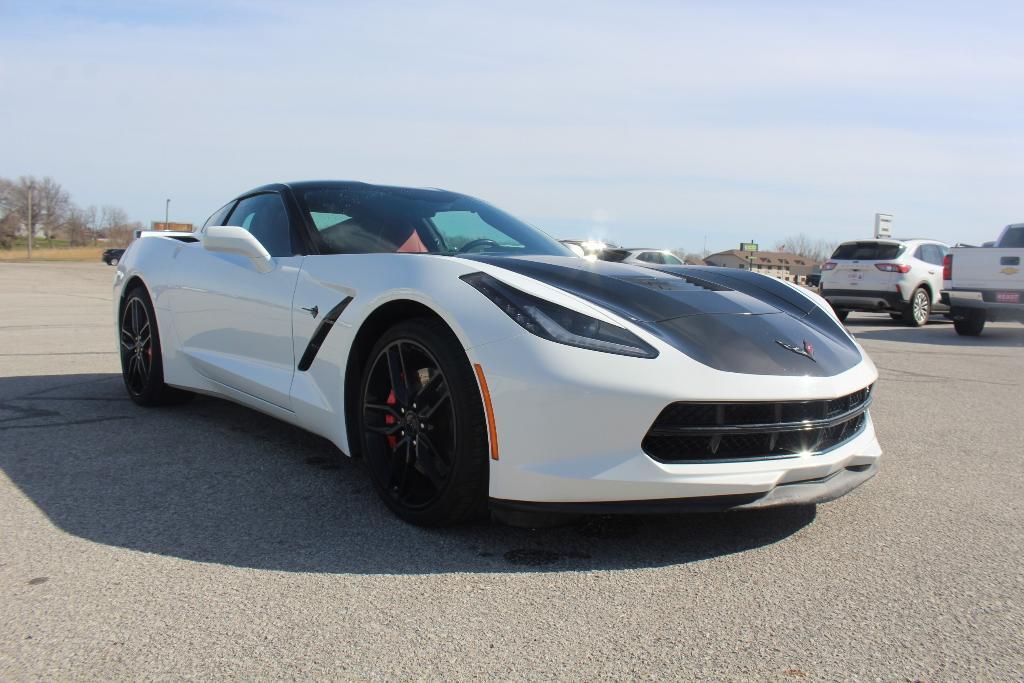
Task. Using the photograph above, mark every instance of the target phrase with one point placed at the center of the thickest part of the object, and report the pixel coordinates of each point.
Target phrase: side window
(933, 254)
(921, 253)
(265, 216)
(220, 215)
(671, 260)
(646, 256)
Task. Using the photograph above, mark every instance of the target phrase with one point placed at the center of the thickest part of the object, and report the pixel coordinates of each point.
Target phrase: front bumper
(570, 423)
(864, 300)
(807, 492)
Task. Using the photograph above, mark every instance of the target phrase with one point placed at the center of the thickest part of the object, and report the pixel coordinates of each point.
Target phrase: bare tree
(8, 218)
(54, 206)
(807, 246)
(91, 217)
(115, 225)
(688, 256)
(17, 200)
(77, 227)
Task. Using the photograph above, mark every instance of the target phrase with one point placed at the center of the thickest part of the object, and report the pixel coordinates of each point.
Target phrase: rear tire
(113, 261)
(970, 324)
(422, 428)
(918, 309)
(142, 367)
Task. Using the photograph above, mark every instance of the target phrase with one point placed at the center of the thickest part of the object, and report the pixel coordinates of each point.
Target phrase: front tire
(918, 309)
(422, 426)
(113, 261)
(142, 365)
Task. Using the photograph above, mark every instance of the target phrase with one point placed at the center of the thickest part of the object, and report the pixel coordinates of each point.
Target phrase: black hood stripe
(731, 321)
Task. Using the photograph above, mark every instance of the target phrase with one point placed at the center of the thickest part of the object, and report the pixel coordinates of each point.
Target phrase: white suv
(902, 277)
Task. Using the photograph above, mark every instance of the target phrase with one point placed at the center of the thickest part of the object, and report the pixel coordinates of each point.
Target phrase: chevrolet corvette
(476, 364)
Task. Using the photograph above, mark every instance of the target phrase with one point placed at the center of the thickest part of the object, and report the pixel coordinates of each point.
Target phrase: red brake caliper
(390, 420)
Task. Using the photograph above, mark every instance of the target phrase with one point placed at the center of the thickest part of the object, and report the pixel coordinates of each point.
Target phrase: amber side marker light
(489, 409)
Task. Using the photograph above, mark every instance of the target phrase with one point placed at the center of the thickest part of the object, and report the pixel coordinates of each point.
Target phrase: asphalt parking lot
(208, 541)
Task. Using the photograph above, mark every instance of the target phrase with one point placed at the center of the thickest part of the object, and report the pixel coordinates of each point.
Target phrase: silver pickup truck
(983, 284)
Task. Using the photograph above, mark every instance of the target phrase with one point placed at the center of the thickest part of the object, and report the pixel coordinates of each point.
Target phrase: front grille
(716, 432)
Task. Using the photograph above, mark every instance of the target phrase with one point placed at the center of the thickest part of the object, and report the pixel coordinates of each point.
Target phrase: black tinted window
(385, 219)
(264, 216)
(1013, 239)
(866, 251)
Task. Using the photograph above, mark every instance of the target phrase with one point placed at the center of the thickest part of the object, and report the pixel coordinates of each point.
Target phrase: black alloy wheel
(136, 346)
(141, 361)
(423, 431)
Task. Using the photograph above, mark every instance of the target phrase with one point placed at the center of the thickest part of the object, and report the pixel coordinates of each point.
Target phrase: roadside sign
(748, 246)
(883, 225)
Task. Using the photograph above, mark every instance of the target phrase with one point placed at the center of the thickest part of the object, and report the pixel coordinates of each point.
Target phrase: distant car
(641, 257)
(589, 249)
(813, 277)
(901, 277)
(112, 256)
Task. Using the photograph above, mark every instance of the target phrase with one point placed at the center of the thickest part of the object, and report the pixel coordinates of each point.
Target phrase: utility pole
(167, 214)
(31, 188)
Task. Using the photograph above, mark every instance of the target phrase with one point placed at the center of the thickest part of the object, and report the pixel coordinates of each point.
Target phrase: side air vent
(320, 334)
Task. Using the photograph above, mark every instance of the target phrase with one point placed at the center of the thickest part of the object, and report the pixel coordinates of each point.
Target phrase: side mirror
(228, 239)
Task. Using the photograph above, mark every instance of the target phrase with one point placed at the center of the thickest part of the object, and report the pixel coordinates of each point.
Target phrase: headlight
(558, 323)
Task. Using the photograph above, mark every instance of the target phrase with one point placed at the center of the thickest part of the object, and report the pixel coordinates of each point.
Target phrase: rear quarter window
(867, 251)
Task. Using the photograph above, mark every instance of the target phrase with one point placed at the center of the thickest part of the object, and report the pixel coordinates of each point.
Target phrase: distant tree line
(817, 250)
(811, 248)
(55, 217)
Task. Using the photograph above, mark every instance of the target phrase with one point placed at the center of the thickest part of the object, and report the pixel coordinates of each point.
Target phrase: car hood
(728, 319)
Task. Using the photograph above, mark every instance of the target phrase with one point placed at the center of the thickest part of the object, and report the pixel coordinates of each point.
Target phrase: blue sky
(646, 123)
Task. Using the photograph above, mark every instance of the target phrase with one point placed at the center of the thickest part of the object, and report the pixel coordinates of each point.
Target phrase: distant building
(175, 227)
(778, 264)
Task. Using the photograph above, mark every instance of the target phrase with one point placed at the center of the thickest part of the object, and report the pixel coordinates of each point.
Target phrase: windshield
(364, 220)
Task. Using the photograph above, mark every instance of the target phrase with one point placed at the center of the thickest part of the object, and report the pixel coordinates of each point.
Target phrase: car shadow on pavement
(938, 333)
(210, 481)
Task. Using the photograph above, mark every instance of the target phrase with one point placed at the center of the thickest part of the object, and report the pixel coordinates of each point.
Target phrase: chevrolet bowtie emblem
(1009, 270)
(807, 351)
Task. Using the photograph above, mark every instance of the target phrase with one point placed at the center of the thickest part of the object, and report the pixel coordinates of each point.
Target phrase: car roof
(893, 240)
(300, 185)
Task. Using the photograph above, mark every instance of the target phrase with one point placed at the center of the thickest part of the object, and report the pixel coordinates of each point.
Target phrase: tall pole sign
(750, 248)
(883, 225)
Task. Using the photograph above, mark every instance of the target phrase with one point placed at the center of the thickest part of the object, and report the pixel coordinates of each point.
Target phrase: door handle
(931, 272)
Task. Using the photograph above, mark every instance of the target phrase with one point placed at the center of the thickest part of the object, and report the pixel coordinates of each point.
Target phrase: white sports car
(473, 361)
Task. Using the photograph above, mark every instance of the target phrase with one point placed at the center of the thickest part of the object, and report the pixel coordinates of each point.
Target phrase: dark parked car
(112, 256)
